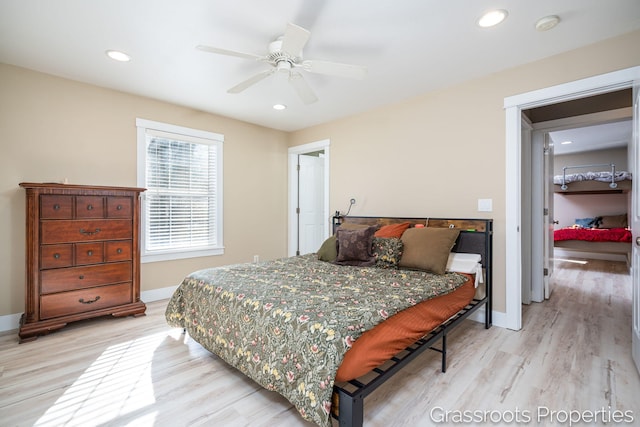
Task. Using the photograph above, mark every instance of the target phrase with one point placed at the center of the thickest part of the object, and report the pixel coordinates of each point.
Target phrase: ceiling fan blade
(335, 69)
(251, 81)
(295, 38)
(302, 88)
(227, 52)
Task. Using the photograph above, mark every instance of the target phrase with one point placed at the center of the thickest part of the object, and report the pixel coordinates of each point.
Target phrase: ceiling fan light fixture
(117, 55)
(492, 18)
(283, 66)
(547, 22)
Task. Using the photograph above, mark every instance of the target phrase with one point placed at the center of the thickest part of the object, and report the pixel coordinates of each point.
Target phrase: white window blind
(182, 213)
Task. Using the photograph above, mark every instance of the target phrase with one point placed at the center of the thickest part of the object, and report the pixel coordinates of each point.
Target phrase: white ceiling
(410, 47)
(592, 138)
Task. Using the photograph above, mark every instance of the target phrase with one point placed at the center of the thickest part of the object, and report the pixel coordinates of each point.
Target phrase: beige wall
(433, 155)
(617, 156)
(52, 128)
(437, 154)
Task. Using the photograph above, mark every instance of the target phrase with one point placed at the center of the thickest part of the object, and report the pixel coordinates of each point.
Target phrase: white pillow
(466, 263)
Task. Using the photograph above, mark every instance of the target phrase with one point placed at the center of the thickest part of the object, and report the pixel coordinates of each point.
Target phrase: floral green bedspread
(288, 323)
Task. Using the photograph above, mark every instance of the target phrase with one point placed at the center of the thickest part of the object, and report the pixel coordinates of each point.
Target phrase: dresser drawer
(89, 253)
(64, 231)
(56, 256)
(73, 302)
(117, 250)
(119, 207)
(56, 206)
(67, 279)
(89, 207)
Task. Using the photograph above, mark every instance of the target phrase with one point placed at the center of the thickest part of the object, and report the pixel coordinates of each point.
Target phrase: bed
(607, 234)
(312, 329)
(607, 181)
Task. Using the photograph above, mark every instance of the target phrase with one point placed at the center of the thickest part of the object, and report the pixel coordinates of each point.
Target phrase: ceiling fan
(285, 55)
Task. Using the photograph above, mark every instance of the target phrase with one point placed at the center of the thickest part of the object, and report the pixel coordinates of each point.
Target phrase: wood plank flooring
(573, 354)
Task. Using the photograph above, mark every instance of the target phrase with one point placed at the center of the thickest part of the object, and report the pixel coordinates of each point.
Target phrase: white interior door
(311, 219)
(548, 217)
(635, 226)
(537, 230)
(322, 146)
(527, 201)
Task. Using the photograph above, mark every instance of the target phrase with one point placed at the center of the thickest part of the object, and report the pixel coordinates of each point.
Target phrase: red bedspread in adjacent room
(593, 234)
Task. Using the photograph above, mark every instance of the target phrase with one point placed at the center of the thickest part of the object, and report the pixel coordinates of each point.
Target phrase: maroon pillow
(355, 247)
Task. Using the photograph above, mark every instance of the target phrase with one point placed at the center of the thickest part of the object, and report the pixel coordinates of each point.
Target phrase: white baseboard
(11, 322)
(498, 319)
(158, 294)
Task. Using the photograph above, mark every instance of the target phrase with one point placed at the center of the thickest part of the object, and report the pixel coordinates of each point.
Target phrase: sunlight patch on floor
(117, 385)
(574, 261)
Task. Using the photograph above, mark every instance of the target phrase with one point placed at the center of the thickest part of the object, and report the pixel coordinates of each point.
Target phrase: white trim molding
(514, 105)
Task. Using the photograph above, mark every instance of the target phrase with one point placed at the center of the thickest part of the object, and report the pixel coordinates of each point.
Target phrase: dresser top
(72, 187)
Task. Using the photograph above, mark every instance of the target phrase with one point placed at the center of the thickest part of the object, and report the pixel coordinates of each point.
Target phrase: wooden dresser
(82, 255)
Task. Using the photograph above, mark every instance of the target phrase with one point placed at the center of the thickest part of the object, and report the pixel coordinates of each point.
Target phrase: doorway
(514, 106)
(308, 197)
(599, 137)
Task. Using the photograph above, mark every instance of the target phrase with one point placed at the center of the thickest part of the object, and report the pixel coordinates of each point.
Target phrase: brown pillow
(354, 247)
(392, 230)
(329, 250)
(613, 221)
(427, 248)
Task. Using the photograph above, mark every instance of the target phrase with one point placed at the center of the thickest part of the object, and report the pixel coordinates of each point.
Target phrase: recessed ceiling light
(279, 107)
(118, 56)
(547, 23)
(566, 142)
(492, 18)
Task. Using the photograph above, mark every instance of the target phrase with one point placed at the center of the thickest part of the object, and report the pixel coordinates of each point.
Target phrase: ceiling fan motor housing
(283, 61)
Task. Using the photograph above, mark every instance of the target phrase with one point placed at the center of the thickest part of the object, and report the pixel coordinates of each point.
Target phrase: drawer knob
(119, 250)
(81, 276)
(89, 207)
(89, 253)
(119, 207)
(56, 256)
(89, 233)
(56, 207)
(89, 301)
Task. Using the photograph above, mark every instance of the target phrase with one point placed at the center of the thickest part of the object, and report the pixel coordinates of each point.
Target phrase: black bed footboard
(349, 396)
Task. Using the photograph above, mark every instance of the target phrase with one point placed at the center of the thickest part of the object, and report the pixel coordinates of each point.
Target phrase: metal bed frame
(611, 165)
(350, 395)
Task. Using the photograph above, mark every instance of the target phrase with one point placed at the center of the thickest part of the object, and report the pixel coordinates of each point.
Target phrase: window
(181, 169)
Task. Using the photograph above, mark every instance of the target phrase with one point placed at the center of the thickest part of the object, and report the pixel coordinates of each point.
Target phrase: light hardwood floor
(573, 354)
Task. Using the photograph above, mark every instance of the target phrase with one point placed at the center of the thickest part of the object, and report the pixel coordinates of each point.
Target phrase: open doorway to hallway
(600, 129)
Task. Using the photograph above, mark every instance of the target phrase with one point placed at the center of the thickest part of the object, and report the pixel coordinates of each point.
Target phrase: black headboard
(476, 234)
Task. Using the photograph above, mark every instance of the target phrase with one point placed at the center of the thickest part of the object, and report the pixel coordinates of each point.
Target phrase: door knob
(638, 241)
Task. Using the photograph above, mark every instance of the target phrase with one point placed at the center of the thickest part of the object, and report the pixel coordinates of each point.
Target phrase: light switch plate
(485, 205)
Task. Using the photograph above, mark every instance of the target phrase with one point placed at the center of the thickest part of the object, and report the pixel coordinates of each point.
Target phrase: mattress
(396, 333)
